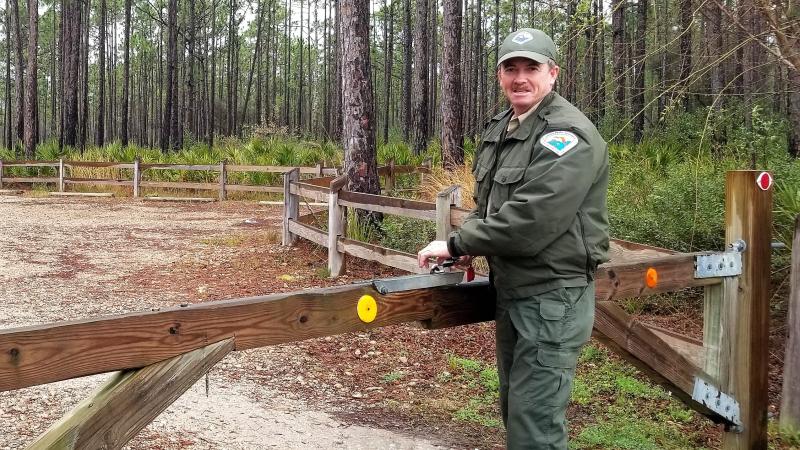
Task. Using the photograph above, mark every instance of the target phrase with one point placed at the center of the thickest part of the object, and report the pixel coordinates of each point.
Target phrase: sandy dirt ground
(64, 259)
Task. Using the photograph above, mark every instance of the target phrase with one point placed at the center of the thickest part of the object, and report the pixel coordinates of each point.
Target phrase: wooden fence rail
(137, 168)
(389, 172)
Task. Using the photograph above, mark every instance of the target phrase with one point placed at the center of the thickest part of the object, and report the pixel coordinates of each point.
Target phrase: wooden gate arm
(53, 352)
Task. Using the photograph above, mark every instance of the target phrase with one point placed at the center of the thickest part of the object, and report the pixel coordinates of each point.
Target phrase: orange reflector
(651, 278)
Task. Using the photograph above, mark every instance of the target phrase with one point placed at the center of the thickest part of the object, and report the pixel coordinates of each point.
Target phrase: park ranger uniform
(541, 220)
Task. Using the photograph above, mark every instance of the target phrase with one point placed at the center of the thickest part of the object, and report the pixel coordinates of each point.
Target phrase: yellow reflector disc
(367, 308)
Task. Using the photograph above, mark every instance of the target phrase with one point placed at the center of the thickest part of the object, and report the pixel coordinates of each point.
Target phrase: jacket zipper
(585, 247)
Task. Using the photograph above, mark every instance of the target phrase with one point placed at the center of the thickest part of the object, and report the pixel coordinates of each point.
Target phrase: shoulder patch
(559, 142)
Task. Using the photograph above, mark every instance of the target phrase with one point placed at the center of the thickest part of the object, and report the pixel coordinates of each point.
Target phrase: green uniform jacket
(540, 215)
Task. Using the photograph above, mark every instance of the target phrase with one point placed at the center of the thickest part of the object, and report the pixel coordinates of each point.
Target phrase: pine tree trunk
(480, 64)
(433, 43)
(420, 86)
(407, 60)
(212, 96)
(8, 132)
(32, 101)
(686, 48)
(72, 44)
(231, 67)
(713, 38)
(571, 56)
(168, 132)
(19, 75)
(514, 14)
(601, 95)
(794, 113)
(127, 76)
(190, 105)
(52, 130)
(619, 47)
(452, 130)
(101, 72)
(82, 59)
(496, 90)
(359, 117)
(336, 117)
(387, 73)
(637, 101)
(260, 20)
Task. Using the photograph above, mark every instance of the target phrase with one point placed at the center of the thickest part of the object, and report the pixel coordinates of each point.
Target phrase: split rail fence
(723, 376)
(137, 169)
(162, 353)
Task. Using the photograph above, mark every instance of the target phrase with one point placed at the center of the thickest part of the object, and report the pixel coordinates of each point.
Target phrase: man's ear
(554, 71)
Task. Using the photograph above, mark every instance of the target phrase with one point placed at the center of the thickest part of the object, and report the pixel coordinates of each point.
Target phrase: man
(540, 218)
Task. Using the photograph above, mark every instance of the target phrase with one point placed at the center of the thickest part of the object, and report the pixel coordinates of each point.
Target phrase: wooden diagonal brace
(130, 400)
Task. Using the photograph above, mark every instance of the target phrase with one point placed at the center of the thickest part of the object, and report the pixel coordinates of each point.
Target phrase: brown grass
(439, 179)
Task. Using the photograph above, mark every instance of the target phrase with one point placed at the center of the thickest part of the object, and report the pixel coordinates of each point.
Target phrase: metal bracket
(719, 402)
(727, 264)
(410, 282)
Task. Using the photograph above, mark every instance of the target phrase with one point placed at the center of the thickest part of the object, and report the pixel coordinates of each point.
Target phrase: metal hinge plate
(727, 264)
(410, 282)
(719, 402)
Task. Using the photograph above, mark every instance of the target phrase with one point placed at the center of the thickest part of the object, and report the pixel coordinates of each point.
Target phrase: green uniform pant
(538, 342)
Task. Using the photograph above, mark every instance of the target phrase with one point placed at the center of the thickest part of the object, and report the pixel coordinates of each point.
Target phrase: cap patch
(522, 37)
(559, 142)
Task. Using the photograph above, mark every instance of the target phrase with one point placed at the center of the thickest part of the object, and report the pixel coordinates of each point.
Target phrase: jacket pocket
(505, 180)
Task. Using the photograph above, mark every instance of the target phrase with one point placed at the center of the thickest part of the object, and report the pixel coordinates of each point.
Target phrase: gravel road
(72, 258)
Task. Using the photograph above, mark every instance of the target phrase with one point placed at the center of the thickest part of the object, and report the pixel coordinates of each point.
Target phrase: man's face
(525, 82)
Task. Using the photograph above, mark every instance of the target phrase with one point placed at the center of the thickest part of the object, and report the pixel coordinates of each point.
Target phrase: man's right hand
(464, 261)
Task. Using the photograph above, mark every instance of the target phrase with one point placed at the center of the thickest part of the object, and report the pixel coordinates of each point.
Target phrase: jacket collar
(526, 127)
(497, 125)
(500, 122)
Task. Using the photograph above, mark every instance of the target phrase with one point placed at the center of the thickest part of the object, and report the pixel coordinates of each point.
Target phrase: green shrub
(406, 234)
(680, 206)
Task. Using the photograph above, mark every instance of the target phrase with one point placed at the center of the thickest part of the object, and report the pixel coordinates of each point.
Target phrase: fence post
(790, 396)
(319, 170)
(222, 180)
(337, 226)
(61, 175)
(137, 175)
(744, 310)
(445, 200)
(1, 174)
(291, 204)
(389, 186)
(427, 164)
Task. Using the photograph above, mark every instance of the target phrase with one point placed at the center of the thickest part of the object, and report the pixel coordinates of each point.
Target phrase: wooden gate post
(337, 226)
(137, 176)
(1, 174)
(291, 204)
(222, 180)
(744, 318)
(61, 175)
(445, 200)
(790, 396)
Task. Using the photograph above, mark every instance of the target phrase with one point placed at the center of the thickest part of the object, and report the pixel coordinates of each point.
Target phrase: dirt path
(70, 258)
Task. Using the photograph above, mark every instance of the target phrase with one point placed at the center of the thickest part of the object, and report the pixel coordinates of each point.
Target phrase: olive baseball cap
(528, 43)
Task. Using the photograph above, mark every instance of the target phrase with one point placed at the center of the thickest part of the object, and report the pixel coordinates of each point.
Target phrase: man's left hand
(436, 249)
